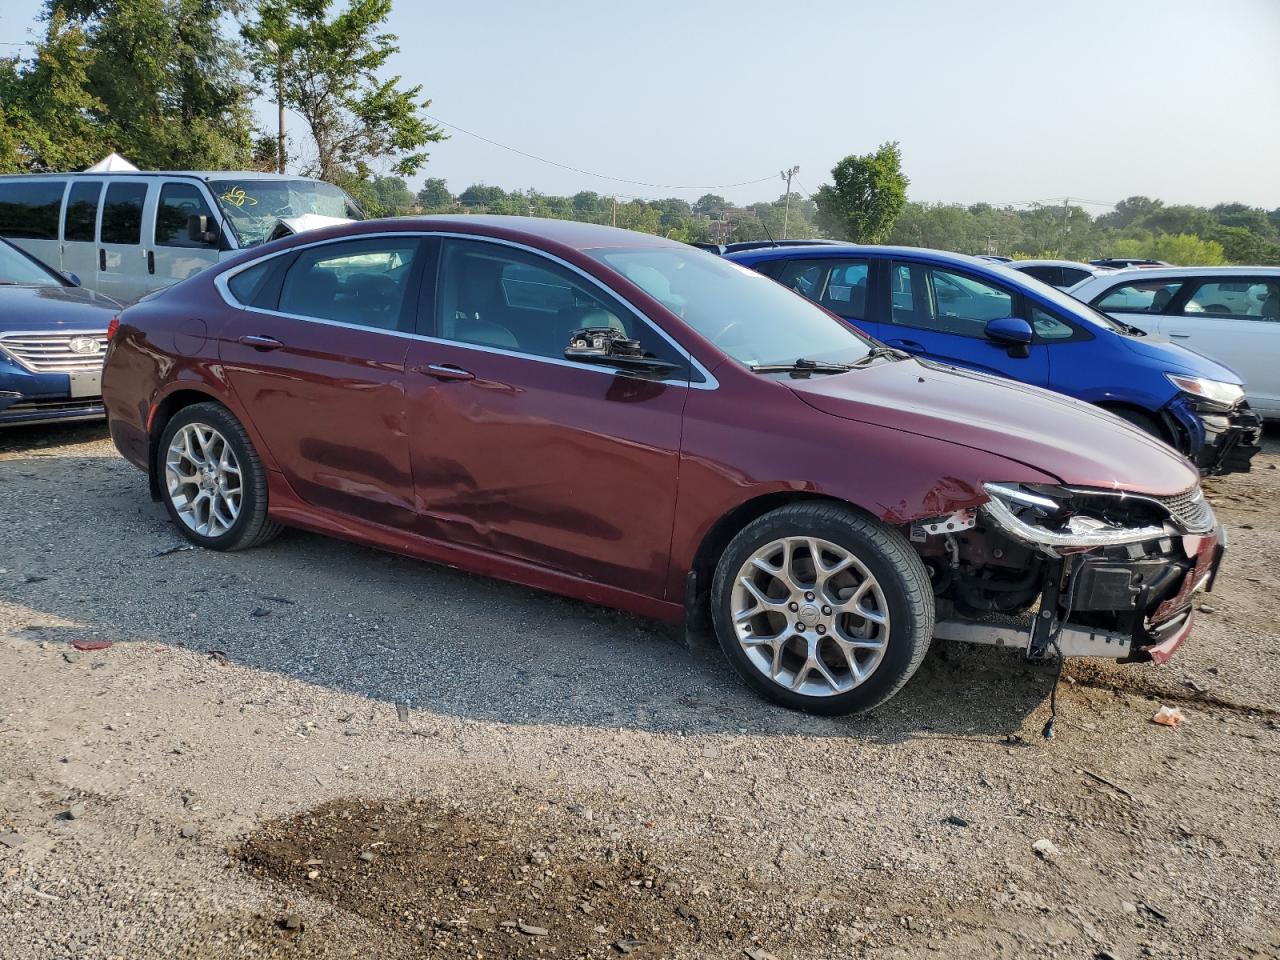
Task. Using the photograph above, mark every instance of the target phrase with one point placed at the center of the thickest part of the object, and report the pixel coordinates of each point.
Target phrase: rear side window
(1237, 299)
(29, 209)
(247, 285)
(178, 202)
(838, 285)
(1073, 275)
(82, 211)
(945, 301)
(1139, 296)
(361, 282)
(1050, 275)
(122, 213)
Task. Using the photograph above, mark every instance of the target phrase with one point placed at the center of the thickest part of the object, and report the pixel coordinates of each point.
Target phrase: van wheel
(822, 609)
(213, 483)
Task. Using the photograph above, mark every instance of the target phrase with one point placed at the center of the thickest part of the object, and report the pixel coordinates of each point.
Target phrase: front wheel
(822, 609)
(215, 487)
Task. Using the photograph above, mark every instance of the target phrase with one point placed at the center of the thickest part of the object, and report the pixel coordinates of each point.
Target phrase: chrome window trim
(222, 280)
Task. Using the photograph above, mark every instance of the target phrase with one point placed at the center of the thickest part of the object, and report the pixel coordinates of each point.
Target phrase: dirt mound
(497, 886)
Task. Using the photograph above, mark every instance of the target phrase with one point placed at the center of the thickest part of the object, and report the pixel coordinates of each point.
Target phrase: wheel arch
(1120, 407)
(722, 531)
(161, 414)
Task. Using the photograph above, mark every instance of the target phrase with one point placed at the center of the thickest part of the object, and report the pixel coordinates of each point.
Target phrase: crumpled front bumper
(1217, 442)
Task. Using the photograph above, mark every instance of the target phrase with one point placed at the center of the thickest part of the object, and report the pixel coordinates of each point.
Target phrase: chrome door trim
(222, 280)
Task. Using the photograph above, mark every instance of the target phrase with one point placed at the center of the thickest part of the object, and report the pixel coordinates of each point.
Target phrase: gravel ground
(317, 750)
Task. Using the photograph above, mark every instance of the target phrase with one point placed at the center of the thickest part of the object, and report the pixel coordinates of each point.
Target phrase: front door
(520, 452)
(316, 357)
(122, 259)
(942, 314)
(175, 256)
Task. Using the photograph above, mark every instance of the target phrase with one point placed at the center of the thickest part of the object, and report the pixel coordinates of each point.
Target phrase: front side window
(178, 202)
(1049, 327)
(929, 298)
(1139, 296)
(493, 295)
(29, 208)
(1253, 299)
(838, 285)
(744, 313)
(122, 213)
(82, 212)
(360, 282)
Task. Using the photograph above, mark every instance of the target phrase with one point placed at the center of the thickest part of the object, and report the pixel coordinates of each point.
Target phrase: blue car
(53, 335)
(967, 312)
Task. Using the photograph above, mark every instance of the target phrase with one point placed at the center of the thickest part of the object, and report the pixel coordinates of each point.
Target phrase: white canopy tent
(112, 163)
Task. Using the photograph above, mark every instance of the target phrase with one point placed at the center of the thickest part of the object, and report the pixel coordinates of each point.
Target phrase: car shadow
(99, 558)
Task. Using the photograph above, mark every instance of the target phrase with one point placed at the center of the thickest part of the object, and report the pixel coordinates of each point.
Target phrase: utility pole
(613, 217)
(786, 203)
(280, 151)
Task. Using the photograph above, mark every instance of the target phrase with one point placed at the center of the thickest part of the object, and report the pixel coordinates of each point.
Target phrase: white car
(1229, 314)
(1062, 274)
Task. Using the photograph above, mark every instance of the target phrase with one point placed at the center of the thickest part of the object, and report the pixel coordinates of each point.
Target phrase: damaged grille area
(1189, 510)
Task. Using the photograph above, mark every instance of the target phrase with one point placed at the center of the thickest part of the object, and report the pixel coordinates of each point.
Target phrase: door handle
(102, 260)
(1181, 336)
(910, 346)
(151, 261)
(444, 371)
(260, 342)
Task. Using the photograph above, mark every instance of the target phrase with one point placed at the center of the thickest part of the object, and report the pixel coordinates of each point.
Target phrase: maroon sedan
(633, 422)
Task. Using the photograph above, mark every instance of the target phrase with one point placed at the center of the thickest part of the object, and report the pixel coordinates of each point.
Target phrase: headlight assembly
(1055, 517)
(1217, 392)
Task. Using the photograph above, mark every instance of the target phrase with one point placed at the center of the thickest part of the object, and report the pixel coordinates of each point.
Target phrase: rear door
(174, 255)
(316, 357)
(841, 284)
(30, 208)
(941, 313)
(122, 259)
(1236, 321)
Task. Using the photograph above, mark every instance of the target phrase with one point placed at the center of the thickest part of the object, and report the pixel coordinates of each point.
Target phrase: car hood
(1178, 359)
(40, 308)
(1066, 438)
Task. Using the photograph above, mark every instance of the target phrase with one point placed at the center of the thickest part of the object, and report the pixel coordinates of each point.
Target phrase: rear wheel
(214, 485)
(822, 609)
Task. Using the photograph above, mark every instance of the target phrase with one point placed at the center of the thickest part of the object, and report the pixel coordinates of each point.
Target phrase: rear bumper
(1217, 442)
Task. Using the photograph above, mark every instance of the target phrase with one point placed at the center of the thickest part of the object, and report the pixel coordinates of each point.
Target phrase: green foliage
(435, 195)
(866, 196)
(392, 197)
(330, 67)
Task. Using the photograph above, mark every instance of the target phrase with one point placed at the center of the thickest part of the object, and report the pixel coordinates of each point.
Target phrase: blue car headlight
(1216, 392)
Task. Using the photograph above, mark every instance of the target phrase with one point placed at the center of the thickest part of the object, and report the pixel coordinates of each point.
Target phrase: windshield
(19, 270)
(744, 313)
(252, 207)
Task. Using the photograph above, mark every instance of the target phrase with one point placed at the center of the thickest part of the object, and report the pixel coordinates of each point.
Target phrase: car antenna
(768, 234)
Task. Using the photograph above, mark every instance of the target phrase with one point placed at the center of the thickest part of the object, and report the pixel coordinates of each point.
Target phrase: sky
(1003, 101)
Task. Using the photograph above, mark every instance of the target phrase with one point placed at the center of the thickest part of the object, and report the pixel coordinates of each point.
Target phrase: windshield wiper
(877, 353)
(802, 368)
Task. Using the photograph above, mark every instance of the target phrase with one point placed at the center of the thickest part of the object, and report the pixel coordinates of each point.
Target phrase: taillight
(113, 326)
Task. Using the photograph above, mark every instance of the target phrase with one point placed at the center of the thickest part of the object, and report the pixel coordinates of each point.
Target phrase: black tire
(884, 552)
(1143, 421)
(251, 527)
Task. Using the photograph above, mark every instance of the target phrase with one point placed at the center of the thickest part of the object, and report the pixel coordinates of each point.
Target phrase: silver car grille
(1189, 510)
(56, 352)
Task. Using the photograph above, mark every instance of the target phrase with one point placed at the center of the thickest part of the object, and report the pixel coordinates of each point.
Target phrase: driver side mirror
(202, 229)
(611, 347)
(1011, 332)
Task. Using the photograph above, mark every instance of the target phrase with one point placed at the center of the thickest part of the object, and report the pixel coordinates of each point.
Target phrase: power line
(589, 173)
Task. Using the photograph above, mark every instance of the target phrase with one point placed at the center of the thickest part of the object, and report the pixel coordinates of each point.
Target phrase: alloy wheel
(810, 616)
(203, 479)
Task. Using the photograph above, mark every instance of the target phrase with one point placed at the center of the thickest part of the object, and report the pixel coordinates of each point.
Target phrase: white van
(126, 234)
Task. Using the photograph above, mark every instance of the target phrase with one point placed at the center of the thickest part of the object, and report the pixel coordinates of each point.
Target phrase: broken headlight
(1052, 517)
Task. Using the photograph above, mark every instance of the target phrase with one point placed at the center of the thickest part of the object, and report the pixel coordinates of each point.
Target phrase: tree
(169, 90)
(479, 195)
(393, 196)
(711, 205)
(330, 79)
(866, 197)
(435, 194)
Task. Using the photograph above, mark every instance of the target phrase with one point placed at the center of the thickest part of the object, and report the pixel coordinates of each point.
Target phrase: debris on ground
(1046, 850)
(1169, 717)
(89, 644)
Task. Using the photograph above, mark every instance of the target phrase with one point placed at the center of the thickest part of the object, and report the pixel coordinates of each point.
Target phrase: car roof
(1175, 273)
(197, 174)
(1018, 264)
(826, 251)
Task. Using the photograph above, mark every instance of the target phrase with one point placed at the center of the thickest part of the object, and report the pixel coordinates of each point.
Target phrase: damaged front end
(1086, 571)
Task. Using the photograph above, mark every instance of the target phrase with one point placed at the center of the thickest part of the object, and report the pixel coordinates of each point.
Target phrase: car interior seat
(1161, 300)
(480, 306)
(314, 294)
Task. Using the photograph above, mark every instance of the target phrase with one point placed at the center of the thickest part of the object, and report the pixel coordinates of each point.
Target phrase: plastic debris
(1169, 717)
